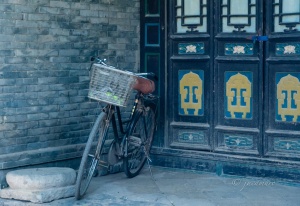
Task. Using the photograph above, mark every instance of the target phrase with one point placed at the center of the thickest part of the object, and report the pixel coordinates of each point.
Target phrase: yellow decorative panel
(288, 97)
(191, 92)
(238, 95)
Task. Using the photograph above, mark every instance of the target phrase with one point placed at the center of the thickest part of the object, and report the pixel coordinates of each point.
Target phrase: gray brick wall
(45, 47)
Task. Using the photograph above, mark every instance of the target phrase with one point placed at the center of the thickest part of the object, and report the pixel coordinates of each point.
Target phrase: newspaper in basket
(111, 85)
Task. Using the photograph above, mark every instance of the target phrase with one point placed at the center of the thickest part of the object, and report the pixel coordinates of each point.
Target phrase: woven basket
(111, 85)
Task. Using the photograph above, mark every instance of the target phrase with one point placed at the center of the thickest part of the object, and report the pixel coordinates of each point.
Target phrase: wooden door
(190, 74)
(232, 76)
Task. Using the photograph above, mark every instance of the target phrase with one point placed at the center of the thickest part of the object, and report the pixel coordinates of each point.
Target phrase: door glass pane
(238, 15)
(191, 16)
(191, 12)
(291, 10)
(286, 15)
(238, 9)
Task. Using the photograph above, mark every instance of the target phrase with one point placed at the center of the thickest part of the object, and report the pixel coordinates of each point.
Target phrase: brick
(77, 32)
(13, 89)
(6, 53)
(60, 114)
(7, 82)
(6, 38)
(69, 52)
(7, 126)
(60, 100)
(48, 10)
(68, 107)
(37, 102)
(39, 2)
(49, 123)
(68, 93)
(48, 94)
(11, 15)
(27, 81)
(7, 7)
(68, 80)
(13, 30)
(12, 75)
(23, 2)
(39, 116)
(99, 7)
(48, 80)
(70, 12)
(27, 125)
(27, 140)
(57, 87)
(7, 142)
(89, 13)
(38, 131)
(80, 5)
(60, 4)
(15, 133)
(15, 60)
(40, 17)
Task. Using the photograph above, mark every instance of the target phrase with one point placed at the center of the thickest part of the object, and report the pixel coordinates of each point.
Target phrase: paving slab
(175, 187)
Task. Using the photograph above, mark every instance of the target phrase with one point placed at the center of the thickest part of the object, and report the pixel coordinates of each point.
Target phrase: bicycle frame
(115, 110)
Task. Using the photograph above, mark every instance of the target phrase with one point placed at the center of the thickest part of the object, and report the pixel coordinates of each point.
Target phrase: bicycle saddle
(144, 85)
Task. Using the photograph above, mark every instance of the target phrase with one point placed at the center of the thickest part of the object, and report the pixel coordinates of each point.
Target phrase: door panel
(190, 74)
(238, 78)
(282, 79)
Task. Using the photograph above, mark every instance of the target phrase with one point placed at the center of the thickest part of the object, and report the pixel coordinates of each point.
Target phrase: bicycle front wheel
(139, 142)
(89, 159)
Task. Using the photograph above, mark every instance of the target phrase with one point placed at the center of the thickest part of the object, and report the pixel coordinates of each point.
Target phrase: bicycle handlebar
(102, 61)
(151, 74)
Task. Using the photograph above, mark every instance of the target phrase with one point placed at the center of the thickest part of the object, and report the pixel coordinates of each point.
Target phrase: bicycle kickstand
(148, 161)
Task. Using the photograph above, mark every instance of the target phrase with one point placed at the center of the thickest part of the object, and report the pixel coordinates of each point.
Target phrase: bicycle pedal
(135, 141)
(103, 164)
(92, 156)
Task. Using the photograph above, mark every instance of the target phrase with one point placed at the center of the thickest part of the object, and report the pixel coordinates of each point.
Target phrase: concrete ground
(169, 187)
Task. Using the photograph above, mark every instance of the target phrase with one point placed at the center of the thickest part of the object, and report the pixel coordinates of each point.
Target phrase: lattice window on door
(238, 15)
(286, 15)
(191, 16)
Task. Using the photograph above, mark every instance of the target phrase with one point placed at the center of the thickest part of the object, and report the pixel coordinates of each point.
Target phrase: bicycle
(113, 87)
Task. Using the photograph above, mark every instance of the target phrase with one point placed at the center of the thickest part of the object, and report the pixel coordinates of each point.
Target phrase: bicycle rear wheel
(89, 159)
(139, 142)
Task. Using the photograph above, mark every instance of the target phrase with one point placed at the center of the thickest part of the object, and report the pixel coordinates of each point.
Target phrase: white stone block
(39, 178)
(40, 185)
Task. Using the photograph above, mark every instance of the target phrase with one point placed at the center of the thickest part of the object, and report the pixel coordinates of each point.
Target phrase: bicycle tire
(88, 165)
(138, 144)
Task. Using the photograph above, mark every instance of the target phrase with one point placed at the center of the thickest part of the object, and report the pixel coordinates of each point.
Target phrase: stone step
(40, 184)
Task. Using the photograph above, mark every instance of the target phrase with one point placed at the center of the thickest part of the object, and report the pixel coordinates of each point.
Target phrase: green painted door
(232, 75)
(233, 79)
